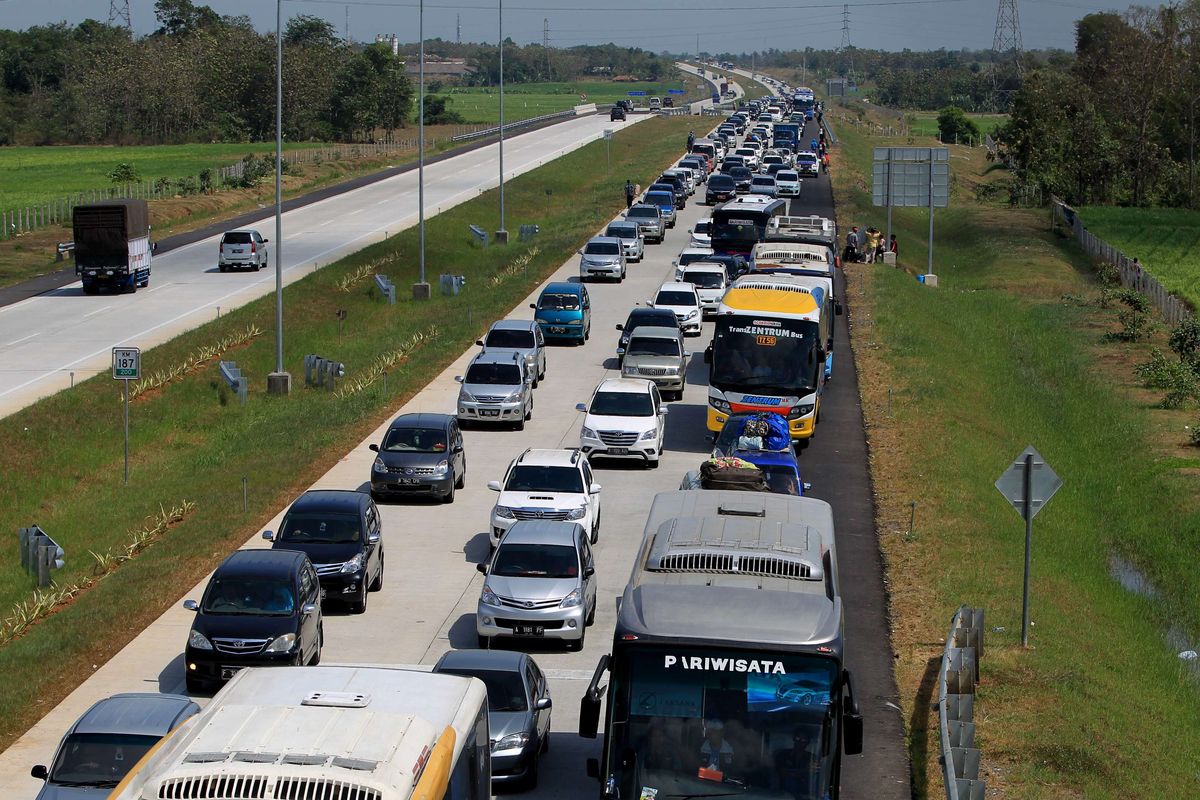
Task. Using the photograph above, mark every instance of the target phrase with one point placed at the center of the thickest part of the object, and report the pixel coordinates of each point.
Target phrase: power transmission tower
(845, 46)
(546, 43)
(1006, 52)
(118, 13)
(458, 29)
(347, 24)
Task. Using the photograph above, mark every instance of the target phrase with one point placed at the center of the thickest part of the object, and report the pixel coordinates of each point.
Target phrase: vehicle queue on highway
(726, 664)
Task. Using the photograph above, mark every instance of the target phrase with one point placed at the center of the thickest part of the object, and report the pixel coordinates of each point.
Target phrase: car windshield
(787, 176)
(98, 759)
(535, 561)
(705, 280)
(763, 180)
(806, 158)
(720, 183)
(494, 374)
(506, 337)
(662, 198)
(622, 231)
(252, 595)
(740, 173)
(652, 346)
(415, 440)
(781, 479)
(602, 249)
(301, 528)
(657, 318)
(622, 404)
(691, 258)
(559, 302)
(237, 238)
(675, 298)
(642, 211)
(506, 692)
(536, 478)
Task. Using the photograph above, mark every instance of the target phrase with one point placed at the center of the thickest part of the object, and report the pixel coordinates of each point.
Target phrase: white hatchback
(625, 419)
(682, 300)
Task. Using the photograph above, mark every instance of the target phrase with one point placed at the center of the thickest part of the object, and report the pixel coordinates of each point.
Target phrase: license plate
(408, 481)
(489, 413)
(618, 451)
(228, 672)
(529, 630)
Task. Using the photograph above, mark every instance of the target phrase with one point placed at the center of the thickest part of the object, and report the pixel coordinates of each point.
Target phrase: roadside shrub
(1185, 343)
(1194, 433)
(162, 185)
(206, 181)
(1107, 274)
(1134, 318)
(124, 172)
(1174, 377)
(187, 185)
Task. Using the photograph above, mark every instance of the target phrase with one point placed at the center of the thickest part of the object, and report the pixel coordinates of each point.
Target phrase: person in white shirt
(715, 752)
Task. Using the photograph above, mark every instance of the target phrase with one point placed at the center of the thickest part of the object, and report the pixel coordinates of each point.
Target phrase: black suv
(261, 608)
(420, 454)
(617, 113)
(340, 533)
(643, 317)
(721, 188)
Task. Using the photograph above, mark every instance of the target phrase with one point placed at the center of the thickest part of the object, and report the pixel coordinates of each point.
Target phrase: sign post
(608, 135)
(913, 177)
(127, 366)
(1028, 484)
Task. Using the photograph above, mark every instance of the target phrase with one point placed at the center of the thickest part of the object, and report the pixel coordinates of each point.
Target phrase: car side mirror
(542, 704)
(533, 305)
(581, 407)
(594, 488)
(40, 772)
(620, 326)
(687, 353)
(589, 572)
(479, 342)
(373, 537)
(265, 241)
(268, 536)
(374, 448)
(481, 568)
(191, 605)
(458, 378)
(662, 411)
(494, 485)
(458, 448)
(307, 608)
(838, 309)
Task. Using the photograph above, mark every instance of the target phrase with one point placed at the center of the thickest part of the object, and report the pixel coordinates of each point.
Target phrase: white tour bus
(335, 733)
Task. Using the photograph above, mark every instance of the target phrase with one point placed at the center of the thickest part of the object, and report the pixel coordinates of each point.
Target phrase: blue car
(666, 204)
(775, 456)
(564, 312)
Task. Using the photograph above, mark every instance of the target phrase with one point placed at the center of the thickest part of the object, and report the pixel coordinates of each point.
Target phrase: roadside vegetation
(1165, 240)
(521, 101)
(1021, 344)
(192, 441)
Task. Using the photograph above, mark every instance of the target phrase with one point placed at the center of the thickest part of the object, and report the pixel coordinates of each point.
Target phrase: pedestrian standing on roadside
(691, 140)
(894, 247)
(630, 193)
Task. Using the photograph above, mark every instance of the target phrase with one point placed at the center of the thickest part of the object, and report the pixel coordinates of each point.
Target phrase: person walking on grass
(630, 193)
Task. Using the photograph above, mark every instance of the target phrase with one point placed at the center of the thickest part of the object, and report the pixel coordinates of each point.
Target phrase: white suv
(547, 484)
(626, 418)
(682, 299)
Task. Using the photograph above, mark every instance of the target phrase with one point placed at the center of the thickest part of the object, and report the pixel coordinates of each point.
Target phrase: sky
(671, 25)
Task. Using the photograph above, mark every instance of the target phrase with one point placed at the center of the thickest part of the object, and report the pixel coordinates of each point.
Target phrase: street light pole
(279, 381)
(420, 289)
(502, 234)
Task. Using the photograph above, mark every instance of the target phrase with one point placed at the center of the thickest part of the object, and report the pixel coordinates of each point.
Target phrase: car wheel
(529, 411)
(652, 464)
(376, 496)
(519, 424)
(194, 685)
(448, 497)
(591, 617)
(531, 777)
(316, 659)
(462, 479)
(576, 645)
(257, 266)
(223, 268)
(360, 606)
(595, 531)
(377, 584)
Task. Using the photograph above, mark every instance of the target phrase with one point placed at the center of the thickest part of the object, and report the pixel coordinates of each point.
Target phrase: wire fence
(1132, 274)
(20, 221)
(957, 678)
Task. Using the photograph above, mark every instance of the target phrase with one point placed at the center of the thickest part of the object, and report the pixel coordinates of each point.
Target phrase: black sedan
(420, 454)
(518, 709)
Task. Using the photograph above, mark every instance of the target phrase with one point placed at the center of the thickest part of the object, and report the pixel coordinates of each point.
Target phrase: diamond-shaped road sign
(1043, 483)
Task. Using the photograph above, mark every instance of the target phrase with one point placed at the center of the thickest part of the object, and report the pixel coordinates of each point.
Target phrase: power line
(118, 13)
(632, 9)
(845, 46)
(1006, 52)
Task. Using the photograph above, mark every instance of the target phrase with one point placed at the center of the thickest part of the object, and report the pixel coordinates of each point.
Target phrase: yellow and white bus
(334, 733)
(773, 333)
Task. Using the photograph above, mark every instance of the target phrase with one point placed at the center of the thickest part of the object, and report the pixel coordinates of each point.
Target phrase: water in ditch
(1134, 580)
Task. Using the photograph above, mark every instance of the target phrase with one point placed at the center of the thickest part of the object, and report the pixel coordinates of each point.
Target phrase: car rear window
(621, 231)
(675, 297)
(662, 198)
(720, 182)
(559, 302)
(505, 691)
(494, 374)
(643, 211)
(310, 528)
(535, 561)
(651, 346)
(763, 180)
(237, 237)
(787, 175)
(705, 280)
(536, 478)
(602, 249)
(508, 338)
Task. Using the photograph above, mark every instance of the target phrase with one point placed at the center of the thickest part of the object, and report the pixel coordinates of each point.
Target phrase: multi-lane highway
(428, 601)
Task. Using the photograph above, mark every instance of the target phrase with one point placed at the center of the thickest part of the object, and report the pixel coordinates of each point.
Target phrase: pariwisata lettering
(712, 664)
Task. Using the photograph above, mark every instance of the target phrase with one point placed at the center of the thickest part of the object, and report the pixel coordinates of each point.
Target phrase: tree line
(1119, 124)
(203, 76)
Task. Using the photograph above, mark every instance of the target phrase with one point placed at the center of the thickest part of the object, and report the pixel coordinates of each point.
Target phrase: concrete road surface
(428, 600)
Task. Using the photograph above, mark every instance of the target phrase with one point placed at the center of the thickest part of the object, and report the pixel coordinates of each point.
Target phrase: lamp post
(279, 381)
(420, 289)
(502, 234)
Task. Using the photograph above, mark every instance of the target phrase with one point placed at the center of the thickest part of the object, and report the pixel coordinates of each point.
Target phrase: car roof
(768, 458)
(240, 230)
(644, 311)
(258, 562)
(136, 713)
(562, 287)
(677, 286)
(513, 325)
(627, 385)
(494, 660)
(704, 266)
(604, 240)
(542, 531)
(422, 419)
(657, 332)
(642, 205)
(496, 357)
(549, 457)
(343, 500)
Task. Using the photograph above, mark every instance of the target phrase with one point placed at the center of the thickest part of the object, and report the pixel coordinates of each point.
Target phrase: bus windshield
(700, 722)
(767, 356)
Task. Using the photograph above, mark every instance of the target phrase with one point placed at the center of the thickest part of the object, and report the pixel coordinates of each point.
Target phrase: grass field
(190, 440)
(924, 123)
(958, 380)
(31, 175)
(1165, 240)
(521, 101)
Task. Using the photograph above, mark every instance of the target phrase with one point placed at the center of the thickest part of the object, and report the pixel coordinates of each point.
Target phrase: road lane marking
(23, 339)
(97, 311)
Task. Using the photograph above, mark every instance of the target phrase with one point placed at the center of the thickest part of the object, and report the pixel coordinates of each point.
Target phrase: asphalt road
(428, 601)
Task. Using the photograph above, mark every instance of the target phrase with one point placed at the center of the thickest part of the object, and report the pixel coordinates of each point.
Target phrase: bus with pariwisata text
(743, 222)
(726, 676)
(768, 353)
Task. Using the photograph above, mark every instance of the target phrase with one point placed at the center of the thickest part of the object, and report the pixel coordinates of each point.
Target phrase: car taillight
(253, 248)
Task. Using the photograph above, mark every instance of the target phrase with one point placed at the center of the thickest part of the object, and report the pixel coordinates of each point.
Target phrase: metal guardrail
(63, 250)
(527, 232)
(673, 112)
(40, 553)
(508, 126)
(480, 235)
(322, 372)
(957, 676)
(232, 374)
(387, 288)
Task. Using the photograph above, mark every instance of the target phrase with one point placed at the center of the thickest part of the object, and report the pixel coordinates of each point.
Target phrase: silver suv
(242, 248)
(657, 354)
(496, 388)
(649, 220)
(521, 336)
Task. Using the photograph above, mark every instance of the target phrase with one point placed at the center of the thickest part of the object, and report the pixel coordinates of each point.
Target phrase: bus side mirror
(852, 721)
(593, 768)
(589, 718)
(838, 309)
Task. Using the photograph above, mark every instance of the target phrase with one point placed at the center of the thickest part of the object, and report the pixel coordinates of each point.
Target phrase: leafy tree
(124, 172)
(183, 17)
(954, 126)
(306, 30)
(437, 111)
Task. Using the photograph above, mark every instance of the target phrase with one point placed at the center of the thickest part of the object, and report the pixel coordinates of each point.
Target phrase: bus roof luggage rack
(741, 545)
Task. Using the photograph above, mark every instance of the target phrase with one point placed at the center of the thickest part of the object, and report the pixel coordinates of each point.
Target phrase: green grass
(521, 101)
(61, 458)
(924, 123)
(979, 368)
(32, 175)
(1165, 240)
